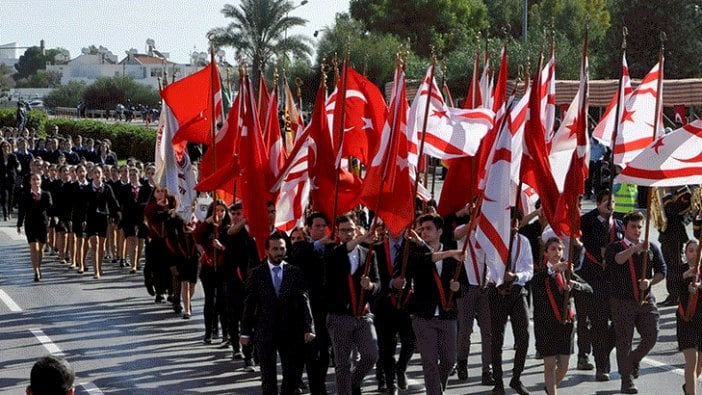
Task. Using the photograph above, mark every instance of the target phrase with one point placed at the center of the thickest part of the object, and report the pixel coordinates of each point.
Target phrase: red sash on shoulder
(632, 272)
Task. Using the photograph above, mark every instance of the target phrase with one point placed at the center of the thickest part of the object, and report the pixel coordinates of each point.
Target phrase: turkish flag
(388, 187)
(191, 100)
(364, 114)
(322, 169)
(252, 164)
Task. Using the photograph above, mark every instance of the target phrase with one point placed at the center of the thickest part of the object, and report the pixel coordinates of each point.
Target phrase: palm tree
(260, 30)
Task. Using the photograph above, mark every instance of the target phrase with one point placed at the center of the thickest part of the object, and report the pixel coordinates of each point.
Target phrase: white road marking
(52, 348)
(11, 232)
(91, 388)
(14, 307)
(663, 366)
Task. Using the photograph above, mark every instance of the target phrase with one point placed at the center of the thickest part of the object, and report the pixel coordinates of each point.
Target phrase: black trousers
(392, 323)
(290, 361)
(235, 308)
(317, 355)
(583, 309)
(215, 307)
(512, 306)
(602, 333)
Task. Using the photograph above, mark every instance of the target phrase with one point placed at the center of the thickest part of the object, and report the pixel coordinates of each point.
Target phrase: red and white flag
(296, 125)
(680, 117)
(273, 138)
(567, 214)
(547, 99)
(176, 174)
(494, 228)
(536, 168)
(191, 100)
(388, 186)
(450, 132)
(605, 128)
(638, 119)
(293, 186)
(252, 163)
(363, 117)
(323, 171)
(672, 160)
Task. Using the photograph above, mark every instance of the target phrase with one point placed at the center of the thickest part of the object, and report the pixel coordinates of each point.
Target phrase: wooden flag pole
(339, 136)
(644, 268)
(405, 249)
(386, 161)
(615, 132)
(574, 210)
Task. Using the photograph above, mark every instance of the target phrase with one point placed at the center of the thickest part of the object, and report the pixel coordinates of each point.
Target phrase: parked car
(36, 105)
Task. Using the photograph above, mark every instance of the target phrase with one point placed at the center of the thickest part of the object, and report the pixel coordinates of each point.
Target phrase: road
(120, 342)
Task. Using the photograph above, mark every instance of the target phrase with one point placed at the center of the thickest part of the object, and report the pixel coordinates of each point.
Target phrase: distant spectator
(50, 376)
(21, 115)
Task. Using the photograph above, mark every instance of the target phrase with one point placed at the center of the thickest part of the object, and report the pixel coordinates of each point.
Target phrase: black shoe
(462, 370)
(36, 277)
(499, 388)
(487, 379)
(381, 383)
(355, 391)
(392, 391)
(208, 339)
(635, 370)
(159, 299)
(249, 365)
(628, 387)
(517, 385)
(238, 356)
(584, 363)
(538, 355)
(402, 380)
(601, 376)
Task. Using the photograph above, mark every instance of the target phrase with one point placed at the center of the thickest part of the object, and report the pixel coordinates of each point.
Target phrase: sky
(177, 26)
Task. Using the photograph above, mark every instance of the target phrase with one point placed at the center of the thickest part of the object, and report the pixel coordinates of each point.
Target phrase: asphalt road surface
(120, 342)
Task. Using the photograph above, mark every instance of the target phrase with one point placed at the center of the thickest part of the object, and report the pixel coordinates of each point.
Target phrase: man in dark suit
(277, 314)
(351, 276)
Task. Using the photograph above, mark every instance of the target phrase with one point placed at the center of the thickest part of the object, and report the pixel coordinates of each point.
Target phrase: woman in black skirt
(34, 214)
(553, 332)
(182, 247)
(101, 203)
(689, 319)
(9, 167)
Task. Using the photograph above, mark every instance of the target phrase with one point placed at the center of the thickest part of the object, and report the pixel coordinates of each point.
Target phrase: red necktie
(36, 196)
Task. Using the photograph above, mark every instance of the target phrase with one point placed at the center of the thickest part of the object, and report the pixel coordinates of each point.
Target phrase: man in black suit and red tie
(277, 316)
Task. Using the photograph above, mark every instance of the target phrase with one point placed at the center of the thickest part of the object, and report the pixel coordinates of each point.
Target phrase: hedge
(37, 119)
(127, 140)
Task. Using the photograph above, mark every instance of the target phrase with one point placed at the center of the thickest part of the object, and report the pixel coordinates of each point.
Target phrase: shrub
(127, 140)
(37, 119)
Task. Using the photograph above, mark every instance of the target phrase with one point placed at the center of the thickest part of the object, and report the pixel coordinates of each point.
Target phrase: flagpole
(340, 133)
(405, 249)
(574, 210)
(659, 94)
(615, 132)
(213, 117)
(399, 64)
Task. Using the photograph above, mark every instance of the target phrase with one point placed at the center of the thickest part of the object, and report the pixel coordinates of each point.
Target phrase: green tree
(41, 79)
(681, 20)
(106, 92)
(28, 64)
(444, 24)
(259, 31)
(66, 95)
(6, 80)
(371, 52)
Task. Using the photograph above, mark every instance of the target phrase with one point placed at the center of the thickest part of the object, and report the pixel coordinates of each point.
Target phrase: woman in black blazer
(9, 166)
(34, 214)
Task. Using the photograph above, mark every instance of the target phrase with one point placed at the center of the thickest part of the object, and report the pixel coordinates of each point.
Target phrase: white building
(8, 54)
(144, 68)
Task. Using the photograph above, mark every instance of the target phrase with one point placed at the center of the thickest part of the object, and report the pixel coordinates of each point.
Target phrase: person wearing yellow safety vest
(625, 196)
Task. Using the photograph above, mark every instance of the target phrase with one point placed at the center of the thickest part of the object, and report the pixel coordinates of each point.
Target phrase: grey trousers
(436, 342)
(628, 314)
(474, 304)
(349, 334)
